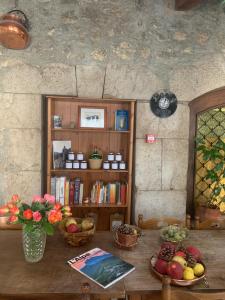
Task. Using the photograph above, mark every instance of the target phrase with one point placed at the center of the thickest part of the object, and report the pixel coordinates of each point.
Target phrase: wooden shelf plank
(86, 171)
(186, 4)
(99, 205)
(89, 130)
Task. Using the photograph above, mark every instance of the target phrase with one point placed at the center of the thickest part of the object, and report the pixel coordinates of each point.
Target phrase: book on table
(100, 266)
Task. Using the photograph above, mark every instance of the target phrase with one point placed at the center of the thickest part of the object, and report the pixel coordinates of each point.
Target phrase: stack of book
(67, 191)
(109, 193)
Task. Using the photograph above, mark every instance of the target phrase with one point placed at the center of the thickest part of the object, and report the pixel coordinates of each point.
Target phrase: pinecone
(166, 253)
(182, 248)
(191, 260)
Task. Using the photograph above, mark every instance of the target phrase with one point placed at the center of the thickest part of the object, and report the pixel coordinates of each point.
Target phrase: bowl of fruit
(126, 235)
(77, 231)
(174, 233)
(183, 265)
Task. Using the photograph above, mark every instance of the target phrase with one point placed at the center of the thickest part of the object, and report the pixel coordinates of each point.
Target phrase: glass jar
(69, 164)
(114, 165)
(71, 156)
(34, 242)
(106, 165)
(122, 165)
(83, 164)
(80, 156)
(118, 157)
(76, 164)
(110, 156)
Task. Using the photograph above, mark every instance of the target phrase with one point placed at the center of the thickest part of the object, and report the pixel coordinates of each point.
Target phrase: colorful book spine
(81, 193)
(62, 190)
(67, 192)
(53, 186)
(76, 190)
(71, 193)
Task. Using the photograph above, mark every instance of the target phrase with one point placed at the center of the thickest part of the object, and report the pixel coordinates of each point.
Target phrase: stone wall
(104, 48)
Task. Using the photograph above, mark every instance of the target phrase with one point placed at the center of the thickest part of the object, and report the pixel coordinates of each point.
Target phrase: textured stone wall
(101, 48)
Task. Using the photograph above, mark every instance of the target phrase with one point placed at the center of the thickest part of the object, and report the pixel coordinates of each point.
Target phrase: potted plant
(95, 159)
(213, 157)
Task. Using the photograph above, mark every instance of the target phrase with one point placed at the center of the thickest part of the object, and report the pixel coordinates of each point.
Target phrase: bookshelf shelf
(74, 171)
(99, 205)
(89, 130)
(111, 187)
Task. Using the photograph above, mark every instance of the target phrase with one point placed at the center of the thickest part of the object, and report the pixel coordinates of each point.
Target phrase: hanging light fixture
(14, 27)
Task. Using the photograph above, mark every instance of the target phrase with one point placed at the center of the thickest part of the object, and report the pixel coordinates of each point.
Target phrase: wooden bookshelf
(106, 139)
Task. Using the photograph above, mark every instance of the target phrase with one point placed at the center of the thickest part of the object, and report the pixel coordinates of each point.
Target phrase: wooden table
(53, 278)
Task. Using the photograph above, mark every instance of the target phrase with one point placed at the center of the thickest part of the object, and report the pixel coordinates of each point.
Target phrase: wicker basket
(79, 238)
(127, 240)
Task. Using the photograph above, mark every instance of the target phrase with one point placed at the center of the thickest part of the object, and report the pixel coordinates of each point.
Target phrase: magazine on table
(100, 266)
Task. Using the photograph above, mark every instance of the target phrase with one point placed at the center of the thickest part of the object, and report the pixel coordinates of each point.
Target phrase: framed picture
(116, 220)
(92, 117)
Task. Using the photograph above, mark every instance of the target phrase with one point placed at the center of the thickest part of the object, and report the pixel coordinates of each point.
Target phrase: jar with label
(114, 165)
(80, 156)
(122, 165)
(71, 156)
(118, 157)
(69, 164)
(83, 164)
(76, 164)
(106, 165)
(110, 156)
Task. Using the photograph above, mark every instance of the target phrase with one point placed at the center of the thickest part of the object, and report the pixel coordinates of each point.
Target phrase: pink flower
(15, 198)
(49, 198)
(57, 206)
(13, 219)
(37, 216)
(38, 198)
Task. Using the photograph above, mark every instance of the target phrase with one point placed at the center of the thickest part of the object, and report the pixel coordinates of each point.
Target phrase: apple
(69, 221)
(161, 266)
(72, 228)
(175, 270)
(195, 252)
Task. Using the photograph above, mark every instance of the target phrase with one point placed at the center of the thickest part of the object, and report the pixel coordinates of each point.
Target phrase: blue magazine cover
(122, 120)
(100, 266)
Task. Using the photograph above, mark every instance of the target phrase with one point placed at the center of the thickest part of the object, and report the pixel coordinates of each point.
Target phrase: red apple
(180, 253)
(195, 252)
(161, 266)
(72, 228)
(175, 270)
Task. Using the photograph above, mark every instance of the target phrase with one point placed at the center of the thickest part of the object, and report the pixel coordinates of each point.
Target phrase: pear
(87, 224)
(180, 260)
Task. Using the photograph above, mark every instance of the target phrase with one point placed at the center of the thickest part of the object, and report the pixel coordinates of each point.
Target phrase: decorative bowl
(177, 282)
(79, 238)
(126, 240)
(174, 233)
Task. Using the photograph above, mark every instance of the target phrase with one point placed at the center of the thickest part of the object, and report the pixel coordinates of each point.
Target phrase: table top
(52, 275)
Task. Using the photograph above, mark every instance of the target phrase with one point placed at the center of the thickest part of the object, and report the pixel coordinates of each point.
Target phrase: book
(100, 266)
(60, 151)
(121, 120)
(76, 190)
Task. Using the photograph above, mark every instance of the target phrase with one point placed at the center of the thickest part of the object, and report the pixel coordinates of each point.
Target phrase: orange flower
(54, 216)
(14, 210)
(27, 214)
(57, 206)
(4, 210)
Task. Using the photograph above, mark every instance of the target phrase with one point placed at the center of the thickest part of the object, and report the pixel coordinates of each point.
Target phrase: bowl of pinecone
(126, 235)
(182, 264)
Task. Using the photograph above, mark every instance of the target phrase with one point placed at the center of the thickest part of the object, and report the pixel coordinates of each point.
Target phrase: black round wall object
(163, 104)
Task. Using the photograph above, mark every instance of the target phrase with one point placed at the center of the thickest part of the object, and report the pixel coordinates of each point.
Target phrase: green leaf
(24, 206)
(37, 206)
(28, 227)
(218, 167)
(49, 229)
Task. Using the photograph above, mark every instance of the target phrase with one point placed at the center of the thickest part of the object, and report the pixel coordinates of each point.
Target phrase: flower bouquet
(38, 219)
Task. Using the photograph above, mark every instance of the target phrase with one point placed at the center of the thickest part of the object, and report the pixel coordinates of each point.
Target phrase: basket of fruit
(126, 235)
(182, 264)
(174, 233)
(77, 231)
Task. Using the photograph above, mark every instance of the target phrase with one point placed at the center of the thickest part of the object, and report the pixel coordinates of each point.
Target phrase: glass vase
(34, 243)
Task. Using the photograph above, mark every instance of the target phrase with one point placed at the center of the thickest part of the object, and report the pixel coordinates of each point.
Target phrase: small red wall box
(150, 138)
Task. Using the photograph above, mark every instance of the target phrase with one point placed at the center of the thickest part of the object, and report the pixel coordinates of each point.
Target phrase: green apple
(180, 260)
